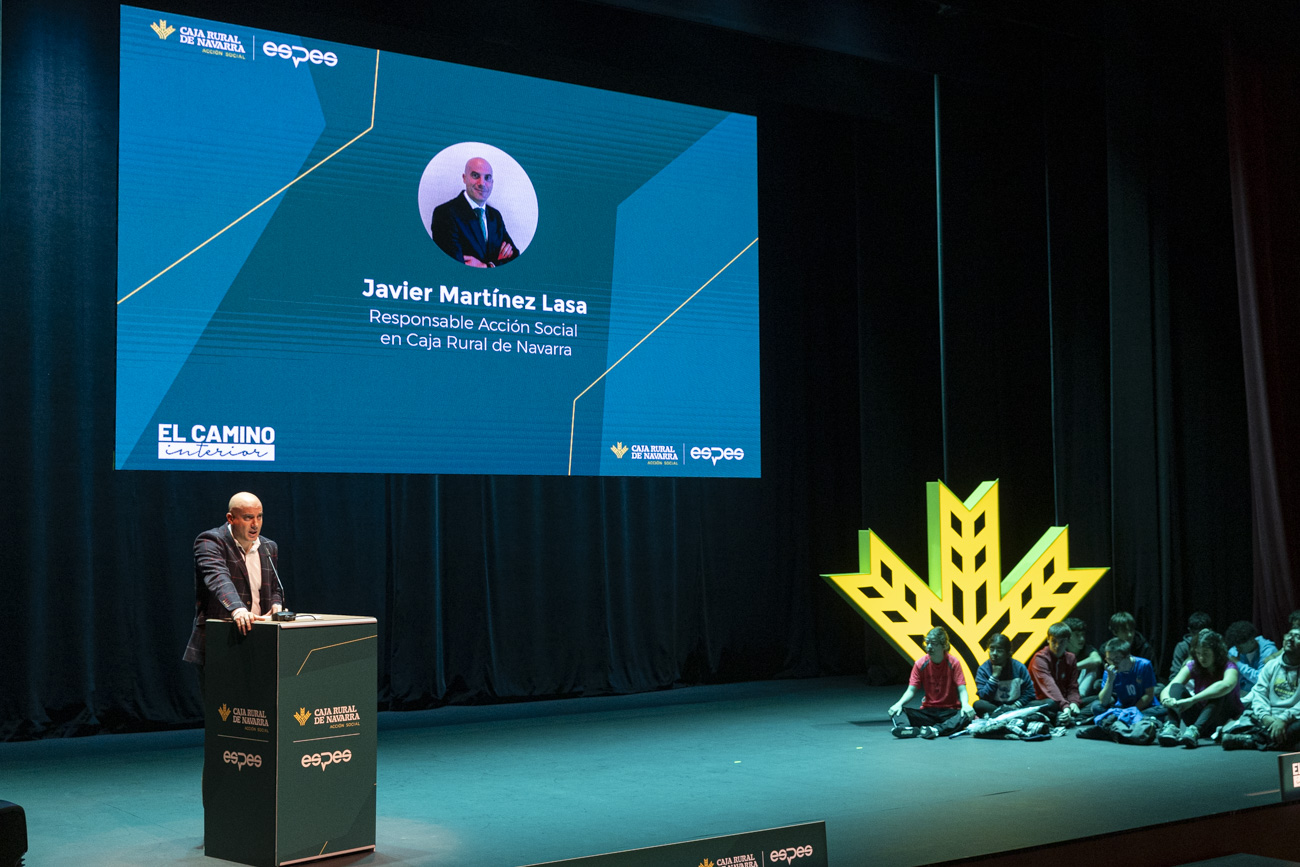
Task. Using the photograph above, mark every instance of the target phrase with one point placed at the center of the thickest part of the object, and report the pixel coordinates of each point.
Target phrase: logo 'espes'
(224, 711)
(716, 453)
(298, 54)
(302, 716)
(241, 760)
(618, 449)
(162, 28)
(790, 853)
(324, 760)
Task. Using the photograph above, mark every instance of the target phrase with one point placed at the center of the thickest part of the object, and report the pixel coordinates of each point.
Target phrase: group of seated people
(1239, 685)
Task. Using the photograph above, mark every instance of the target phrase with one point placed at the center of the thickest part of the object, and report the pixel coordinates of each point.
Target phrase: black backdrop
(1049, 297)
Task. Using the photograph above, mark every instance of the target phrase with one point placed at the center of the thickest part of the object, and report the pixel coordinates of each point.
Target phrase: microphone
(281, 615)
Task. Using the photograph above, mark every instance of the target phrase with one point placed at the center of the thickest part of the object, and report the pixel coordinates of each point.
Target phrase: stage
(532, 782)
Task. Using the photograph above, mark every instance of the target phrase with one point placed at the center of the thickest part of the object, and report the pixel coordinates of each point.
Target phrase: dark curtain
(1047, 299)
(1180, 517)
(1264, 138)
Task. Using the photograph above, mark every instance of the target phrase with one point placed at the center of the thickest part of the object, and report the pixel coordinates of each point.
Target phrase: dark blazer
(456, 229)
(221, 582)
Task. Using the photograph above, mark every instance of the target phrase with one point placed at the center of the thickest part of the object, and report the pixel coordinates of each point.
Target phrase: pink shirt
(938, 680)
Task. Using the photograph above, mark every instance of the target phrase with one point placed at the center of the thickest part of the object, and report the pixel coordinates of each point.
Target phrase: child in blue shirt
(1128, 681)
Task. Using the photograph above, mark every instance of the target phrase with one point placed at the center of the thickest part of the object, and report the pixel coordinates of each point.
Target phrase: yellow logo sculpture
(302, 716)
(966, 593)
(224, 712)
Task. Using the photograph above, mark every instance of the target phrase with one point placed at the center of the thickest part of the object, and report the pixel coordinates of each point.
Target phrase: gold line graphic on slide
(327, 647)
(574, 414)
(373, 99)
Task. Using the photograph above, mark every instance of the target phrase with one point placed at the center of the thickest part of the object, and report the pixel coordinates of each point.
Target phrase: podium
(289, 739)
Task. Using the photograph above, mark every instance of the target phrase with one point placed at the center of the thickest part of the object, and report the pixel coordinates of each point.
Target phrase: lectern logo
(224, 711)
(162, 28)
(241, 760)
(618, 449)
(966, 592)
(302, 716)
(324, 760)
(706, 863)
(1295, 774)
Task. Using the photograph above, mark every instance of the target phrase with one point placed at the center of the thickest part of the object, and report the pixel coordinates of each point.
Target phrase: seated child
(1086, 659)
(1272, 718)
(1130, 681)
(1003, 684)
(1054, 673)
(1182, 652)
(1249, 650)
(1122, 625)
(1212, 698)
(945, 709)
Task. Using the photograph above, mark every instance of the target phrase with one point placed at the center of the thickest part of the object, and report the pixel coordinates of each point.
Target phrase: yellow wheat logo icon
(706, 863)
(162, 28)
(224, 711)
(618, 449)
(966, 593)
(302, 716)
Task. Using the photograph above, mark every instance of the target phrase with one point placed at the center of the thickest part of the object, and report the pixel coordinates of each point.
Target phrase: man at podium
(235, 576)
(282, 702)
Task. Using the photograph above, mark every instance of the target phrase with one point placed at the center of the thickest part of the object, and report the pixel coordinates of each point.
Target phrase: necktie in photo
(482, 222)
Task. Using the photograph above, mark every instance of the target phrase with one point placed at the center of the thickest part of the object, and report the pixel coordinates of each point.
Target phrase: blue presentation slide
(338, 259)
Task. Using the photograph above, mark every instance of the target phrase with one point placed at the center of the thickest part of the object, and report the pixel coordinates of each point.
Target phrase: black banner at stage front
(1288, 768)
(791, 846)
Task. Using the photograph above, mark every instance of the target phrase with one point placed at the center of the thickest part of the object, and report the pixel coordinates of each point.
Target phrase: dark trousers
(203, 709)
(945, 720)
(1289, 739)
(1206, 715)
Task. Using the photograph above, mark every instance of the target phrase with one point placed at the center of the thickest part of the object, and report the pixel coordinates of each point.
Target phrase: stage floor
(523, 783)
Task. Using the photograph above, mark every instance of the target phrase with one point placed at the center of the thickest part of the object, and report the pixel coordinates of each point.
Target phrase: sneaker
(929, 733)
(1168, 736)
(1190, 738)
(1238, 741)
(903, 732)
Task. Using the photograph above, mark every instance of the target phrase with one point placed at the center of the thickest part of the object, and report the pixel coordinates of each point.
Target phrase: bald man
(467, 228)
(235, 576)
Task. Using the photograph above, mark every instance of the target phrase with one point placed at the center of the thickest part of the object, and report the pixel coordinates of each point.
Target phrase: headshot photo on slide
(478, 205)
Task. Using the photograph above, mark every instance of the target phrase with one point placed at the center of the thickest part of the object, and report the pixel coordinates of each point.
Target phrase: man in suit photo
(467, 228)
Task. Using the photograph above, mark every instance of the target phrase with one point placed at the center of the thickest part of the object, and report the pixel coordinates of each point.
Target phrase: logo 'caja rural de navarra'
(966, 592)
